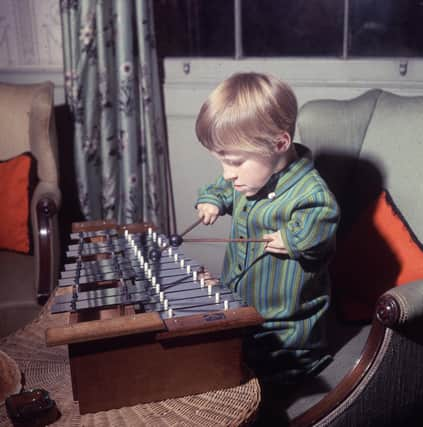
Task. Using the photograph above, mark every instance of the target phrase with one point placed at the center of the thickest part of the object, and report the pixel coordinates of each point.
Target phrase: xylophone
(145, 324)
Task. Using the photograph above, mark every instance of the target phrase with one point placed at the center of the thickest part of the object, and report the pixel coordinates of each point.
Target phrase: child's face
(248, 172)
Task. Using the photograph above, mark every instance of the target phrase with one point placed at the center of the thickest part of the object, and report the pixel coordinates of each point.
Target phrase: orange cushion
(17, 182)
(379, 252)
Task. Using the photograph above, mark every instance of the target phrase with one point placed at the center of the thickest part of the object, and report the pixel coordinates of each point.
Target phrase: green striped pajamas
(291, 292)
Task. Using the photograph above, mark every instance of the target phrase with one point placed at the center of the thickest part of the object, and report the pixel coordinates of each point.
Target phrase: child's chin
(249, 193)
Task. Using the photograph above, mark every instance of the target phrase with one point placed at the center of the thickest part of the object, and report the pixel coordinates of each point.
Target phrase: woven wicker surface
(49, 368)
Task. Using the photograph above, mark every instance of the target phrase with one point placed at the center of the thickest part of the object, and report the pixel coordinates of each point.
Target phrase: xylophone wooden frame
(123, 358)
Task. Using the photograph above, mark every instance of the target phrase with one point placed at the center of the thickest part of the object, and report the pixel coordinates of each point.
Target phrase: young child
(272, 191)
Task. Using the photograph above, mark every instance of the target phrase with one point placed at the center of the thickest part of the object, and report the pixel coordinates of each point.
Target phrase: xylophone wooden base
(139, 358)
(128, 370)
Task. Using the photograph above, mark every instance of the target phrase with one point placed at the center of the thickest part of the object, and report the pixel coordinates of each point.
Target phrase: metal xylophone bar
(125, 257)
(75, 286)
(170, 286)
(73, 303)
(107, 271)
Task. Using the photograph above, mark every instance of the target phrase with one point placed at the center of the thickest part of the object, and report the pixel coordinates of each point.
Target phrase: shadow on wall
(355, 182)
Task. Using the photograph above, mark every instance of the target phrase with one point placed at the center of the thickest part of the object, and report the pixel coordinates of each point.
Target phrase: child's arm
(310, 229)
(214, 200)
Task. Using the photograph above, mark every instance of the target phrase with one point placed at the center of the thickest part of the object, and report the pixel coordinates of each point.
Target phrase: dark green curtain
(113, 89)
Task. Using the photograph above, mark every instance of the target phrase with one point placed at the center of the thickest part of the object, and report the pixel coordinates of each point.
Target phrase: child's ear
(283, 142)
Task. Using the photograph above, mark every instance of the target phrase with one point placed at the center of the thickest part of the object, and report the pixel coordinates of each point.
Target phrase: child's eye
(234, 162)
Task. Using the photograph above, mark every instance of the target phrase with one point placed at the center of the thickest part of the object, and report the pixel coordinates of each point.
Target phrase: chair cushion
(379, 253)
(347, 343)
(16, 271)
(17, 182)
(18, 303)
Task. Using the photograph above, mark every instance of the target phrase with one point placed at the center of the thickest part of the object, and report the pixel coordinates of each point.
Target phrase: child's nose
(229, 174)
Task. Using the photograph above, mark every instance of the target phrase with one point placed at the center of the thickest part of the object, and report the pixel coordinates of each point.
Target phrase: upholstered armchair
(30, 199)
(361, 146)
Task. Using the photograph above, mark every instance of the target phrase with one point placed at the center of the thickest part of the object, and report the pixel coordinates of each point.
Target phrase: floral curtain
(113, 89)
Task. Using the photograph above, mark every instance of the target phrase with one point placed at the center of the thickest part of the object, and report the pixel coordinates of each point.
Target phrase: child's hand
(208, 212)
(275, 243)
(205, 274)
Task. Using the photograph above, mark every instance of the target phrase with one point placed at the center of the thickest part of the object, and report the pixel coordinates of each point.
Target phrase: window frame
(337, 77)
(192, 79)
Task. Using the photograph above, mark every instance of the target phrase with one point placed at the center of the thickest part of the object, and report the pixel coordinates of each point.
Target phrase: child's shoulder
(312, 186)
(318, 182)
(312, 181)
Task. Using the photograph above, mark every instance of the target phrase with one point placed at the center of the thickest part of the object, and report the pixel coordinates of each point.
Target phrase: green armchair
(360, 146)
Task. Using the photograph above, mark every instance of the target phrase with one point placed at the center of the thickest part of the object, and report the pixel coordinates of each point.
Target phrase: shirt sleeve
(310, 230)
(220, 194)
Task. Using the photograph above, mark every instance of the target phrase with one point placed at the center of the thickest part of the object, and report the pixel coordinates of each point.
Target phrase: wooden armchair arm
(402, 306)
(46, 209)
(385, 386)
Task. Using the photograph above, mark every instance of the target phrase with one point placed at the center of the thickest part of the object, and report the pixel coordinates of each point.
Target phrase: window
(194, 28)
(292, 27)
(386, 28)
(282, 28)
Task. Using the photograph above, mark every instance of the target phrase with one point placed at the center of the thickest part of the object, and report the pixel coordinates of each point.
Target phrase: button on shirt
(290, 292)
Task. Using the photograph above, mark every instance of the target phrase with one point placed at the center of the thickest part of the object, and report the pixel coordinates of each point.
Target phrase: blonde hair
(247, 111)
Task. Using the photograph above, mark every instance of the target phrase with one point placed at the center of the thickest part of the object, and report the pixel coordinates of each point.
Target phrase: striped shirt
(290, 291)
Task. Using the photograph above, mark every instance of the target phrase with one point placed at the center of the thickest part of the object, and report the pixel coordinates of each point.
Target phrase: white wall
(31, 43)
(189, 81)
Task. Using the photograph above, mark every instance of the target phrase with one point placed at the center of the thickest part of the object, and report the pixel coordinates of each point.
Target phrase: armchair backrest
(394, 143)
(367, 143)
(26, 120)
